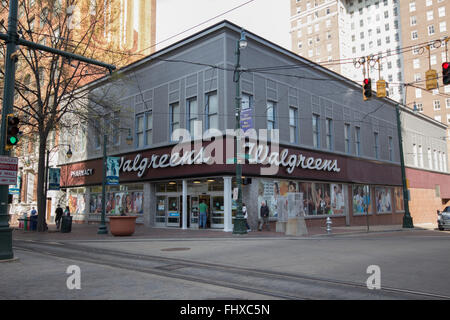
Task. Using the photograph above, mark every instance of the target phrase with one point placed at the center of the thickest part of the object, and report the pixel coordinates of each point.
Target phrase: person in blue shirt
(33, 211)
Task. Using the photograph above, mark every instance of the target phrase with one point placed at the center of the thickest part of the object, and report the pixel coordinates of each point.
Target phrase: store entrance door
(173, 212)
(207, 199)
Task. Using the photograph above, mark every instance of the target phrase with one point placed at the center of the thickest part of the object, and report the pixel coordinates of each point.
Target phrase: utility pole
(239, 221)
(12, 40)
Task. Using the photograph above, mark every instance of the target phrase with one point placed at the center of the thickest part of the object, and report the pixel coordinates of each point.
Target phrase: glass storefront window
(171, 187)
(118, 202)
(362, 200)
(383, 199)
(288, 199)
(77, 200)
(160, 210)
(399, 204)
(215, 186)
(161, 187)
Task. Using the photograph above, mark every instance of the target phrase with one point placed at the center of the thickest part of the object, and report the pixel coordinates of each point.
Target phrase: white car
(444, 218)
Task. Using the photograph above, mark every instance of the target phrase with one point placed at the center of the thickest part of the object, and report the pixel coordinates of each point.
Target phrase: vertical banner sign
(54, 175)
(246, 119)
(112, 170)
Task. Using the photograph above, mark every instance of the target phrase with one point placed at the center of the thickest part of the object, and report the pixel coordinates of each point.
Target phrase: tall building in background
(124, 31)
(338, 33)
(426, 22)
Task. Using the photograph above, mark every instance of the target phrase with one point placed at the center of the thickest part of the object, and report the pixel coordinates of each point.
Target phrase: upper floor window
(174, 118)
(347, 138)
(144, 126)
(316, 130)
(329, 127)
(357, 141)
(376, 146)
(293, 124)
(420, 153)
(191, 115)
(212, 111)
(414, 153)
(270, 113)
(391, 149)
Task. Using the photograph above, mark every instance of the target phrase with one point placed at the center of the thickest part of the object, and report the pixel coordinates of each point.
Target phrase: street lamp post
(239, 221)
(407, 219)
(68, 154)
(102, 229)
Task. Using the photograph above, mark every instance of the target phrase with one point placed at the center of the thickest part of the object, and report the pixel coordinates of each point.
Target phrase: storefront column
(148, 209)
(185, 213)
(228, 224)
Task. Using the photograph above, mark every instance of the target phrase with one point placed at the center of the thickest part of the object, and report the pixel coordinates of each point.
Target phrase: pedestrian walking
(67, 212)
(264, 211)
(203, 208)
(244, 211)
(33, 211)
(59, 213)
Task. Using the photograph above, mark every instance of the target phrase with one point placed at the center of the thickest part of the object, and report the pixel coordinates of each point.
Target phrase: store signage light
(82, 173)
(262, 156)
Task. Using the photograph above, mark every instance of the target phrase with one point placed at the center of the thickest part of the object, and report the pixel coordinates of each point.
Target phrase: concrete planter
(122, 225)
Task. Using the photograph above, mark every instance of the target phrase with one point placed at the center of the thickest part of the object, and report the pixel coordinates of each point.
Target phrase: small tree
(47, 85)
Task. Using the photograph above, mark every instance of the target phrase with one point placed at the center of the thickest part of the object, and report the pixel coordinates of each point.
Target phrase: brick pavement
(89, 232)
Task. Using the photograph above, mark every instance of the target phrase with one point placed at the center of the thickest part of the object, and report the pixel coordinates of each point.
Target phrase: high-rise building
(424, 27)
(338, 34)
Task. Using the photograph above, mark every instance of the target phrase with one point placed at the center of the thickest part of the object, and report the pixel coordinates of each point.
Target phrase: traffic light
(367, 89)
(381, 88)
(446, 73)
(12, 131)
(431, 79)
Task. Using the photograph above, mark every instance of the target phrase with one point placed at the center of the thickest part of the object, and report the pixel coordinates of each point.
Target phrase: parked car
(444, 218)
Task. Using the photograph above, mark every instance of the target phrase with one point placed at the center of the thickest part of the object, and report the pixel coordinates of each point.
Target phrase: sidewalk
(89, 232)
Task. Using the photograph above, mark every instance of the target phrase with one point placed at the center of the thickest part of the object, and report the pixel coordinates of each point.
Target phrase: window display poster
(77, 203)
(361, 199)
(323, 198)
(118, 203)
(383, 199)
(399, 204)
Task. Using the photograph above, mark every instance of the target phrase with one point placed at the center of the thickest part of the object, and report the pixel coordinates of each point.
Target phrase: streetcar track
(168, 274)
(83, 251)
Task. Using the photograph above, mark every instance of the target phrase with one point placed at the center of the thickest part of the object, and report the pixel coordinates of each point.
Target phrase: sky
(266, 18)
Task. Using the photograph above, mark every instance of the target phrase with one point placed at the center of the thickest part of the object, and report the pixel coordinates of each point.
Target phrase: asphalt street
(233, 268)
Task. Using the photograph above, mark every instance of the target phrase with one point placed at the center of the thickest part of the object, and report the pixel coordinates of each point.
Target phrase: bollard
(329, 223)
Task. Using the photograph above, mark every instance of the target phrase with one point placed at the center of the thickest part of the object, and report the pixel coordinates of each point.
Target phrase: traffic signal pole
(12, 40)
(6, 251)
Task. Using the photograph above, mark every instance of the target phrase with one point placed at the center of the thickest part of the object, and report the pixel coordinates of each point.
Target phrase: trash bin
(66, 224)
(33, 223)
